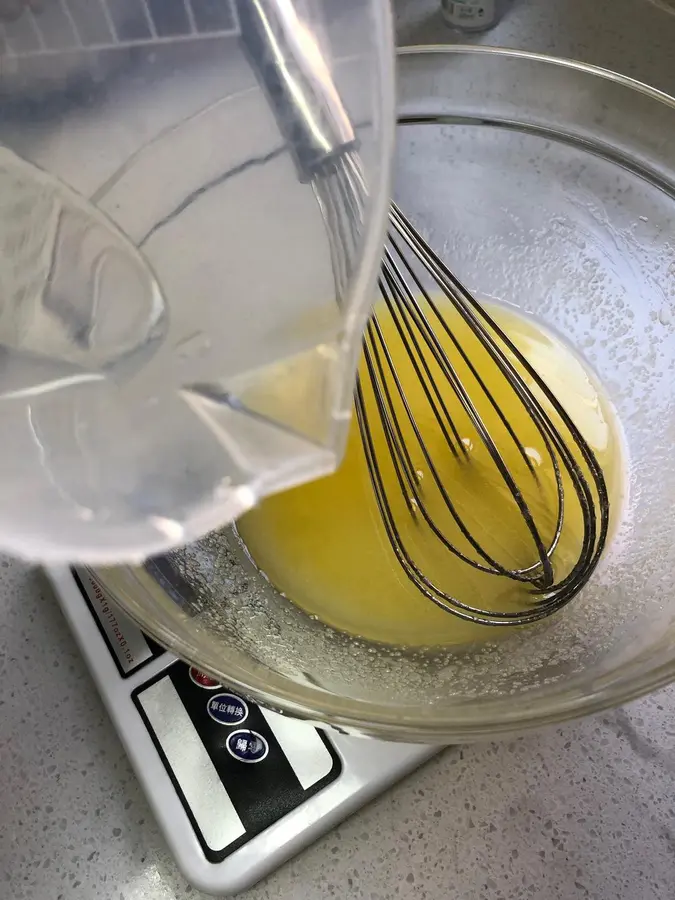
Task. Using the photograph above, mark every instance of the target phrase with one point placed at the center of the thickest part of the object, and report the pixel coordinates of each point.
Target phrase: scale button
(227, 709)
(247, 746)
(203, 680)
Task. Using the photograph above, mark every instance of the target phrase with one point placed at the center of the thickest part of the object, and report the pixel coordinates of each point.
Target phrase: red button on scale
(203, 680)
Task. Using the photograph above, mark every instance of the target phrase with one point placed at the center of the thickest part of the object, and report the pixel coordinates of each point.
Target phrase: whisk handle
(297, 80)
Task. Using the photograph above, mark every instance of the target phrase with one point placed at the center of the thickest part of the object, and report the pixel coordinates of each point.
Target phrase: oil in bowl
(324, 545)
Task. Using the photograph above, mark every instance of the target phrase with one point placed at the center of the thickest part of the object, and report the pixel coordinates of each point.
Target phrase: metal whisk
(416, 288)
(409, 265)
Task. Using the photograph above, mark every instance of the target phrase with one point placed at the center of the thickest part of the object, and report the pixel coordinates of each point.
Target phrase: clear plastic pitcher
(192, 200)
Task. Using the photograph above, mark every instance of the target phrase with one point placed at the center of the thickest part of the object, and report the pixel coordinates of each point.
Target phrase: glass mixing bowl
(549, 185)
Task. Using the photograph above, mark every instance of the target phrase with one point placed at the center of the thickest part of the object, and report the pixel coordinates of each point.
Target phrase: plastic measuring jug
(180, 310)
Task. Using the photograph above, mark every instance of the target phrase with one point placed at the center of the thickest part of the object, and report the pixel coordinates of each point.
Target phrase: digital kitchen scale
(236, 789)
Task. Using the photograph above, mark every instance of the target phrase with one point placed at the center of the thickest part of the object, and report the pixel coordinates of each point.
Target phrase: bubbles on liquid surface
(533, 455)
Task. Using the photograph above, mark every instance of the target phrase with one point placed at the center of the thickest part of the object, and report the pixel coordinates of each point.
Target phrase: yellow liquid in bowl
(324, 546)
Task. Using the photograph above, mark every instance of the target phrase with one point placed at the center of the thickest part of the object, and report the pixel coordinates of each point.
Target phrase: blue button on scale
(227, 709)
(247, 746)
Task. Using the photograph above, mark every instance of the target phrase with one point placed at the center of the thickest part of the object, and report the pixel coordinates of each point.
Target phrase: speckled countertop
(582, 811)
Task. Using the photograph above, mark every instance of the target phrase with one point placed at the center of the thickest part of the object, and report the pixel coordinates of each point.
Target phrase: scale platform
(236, 789)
